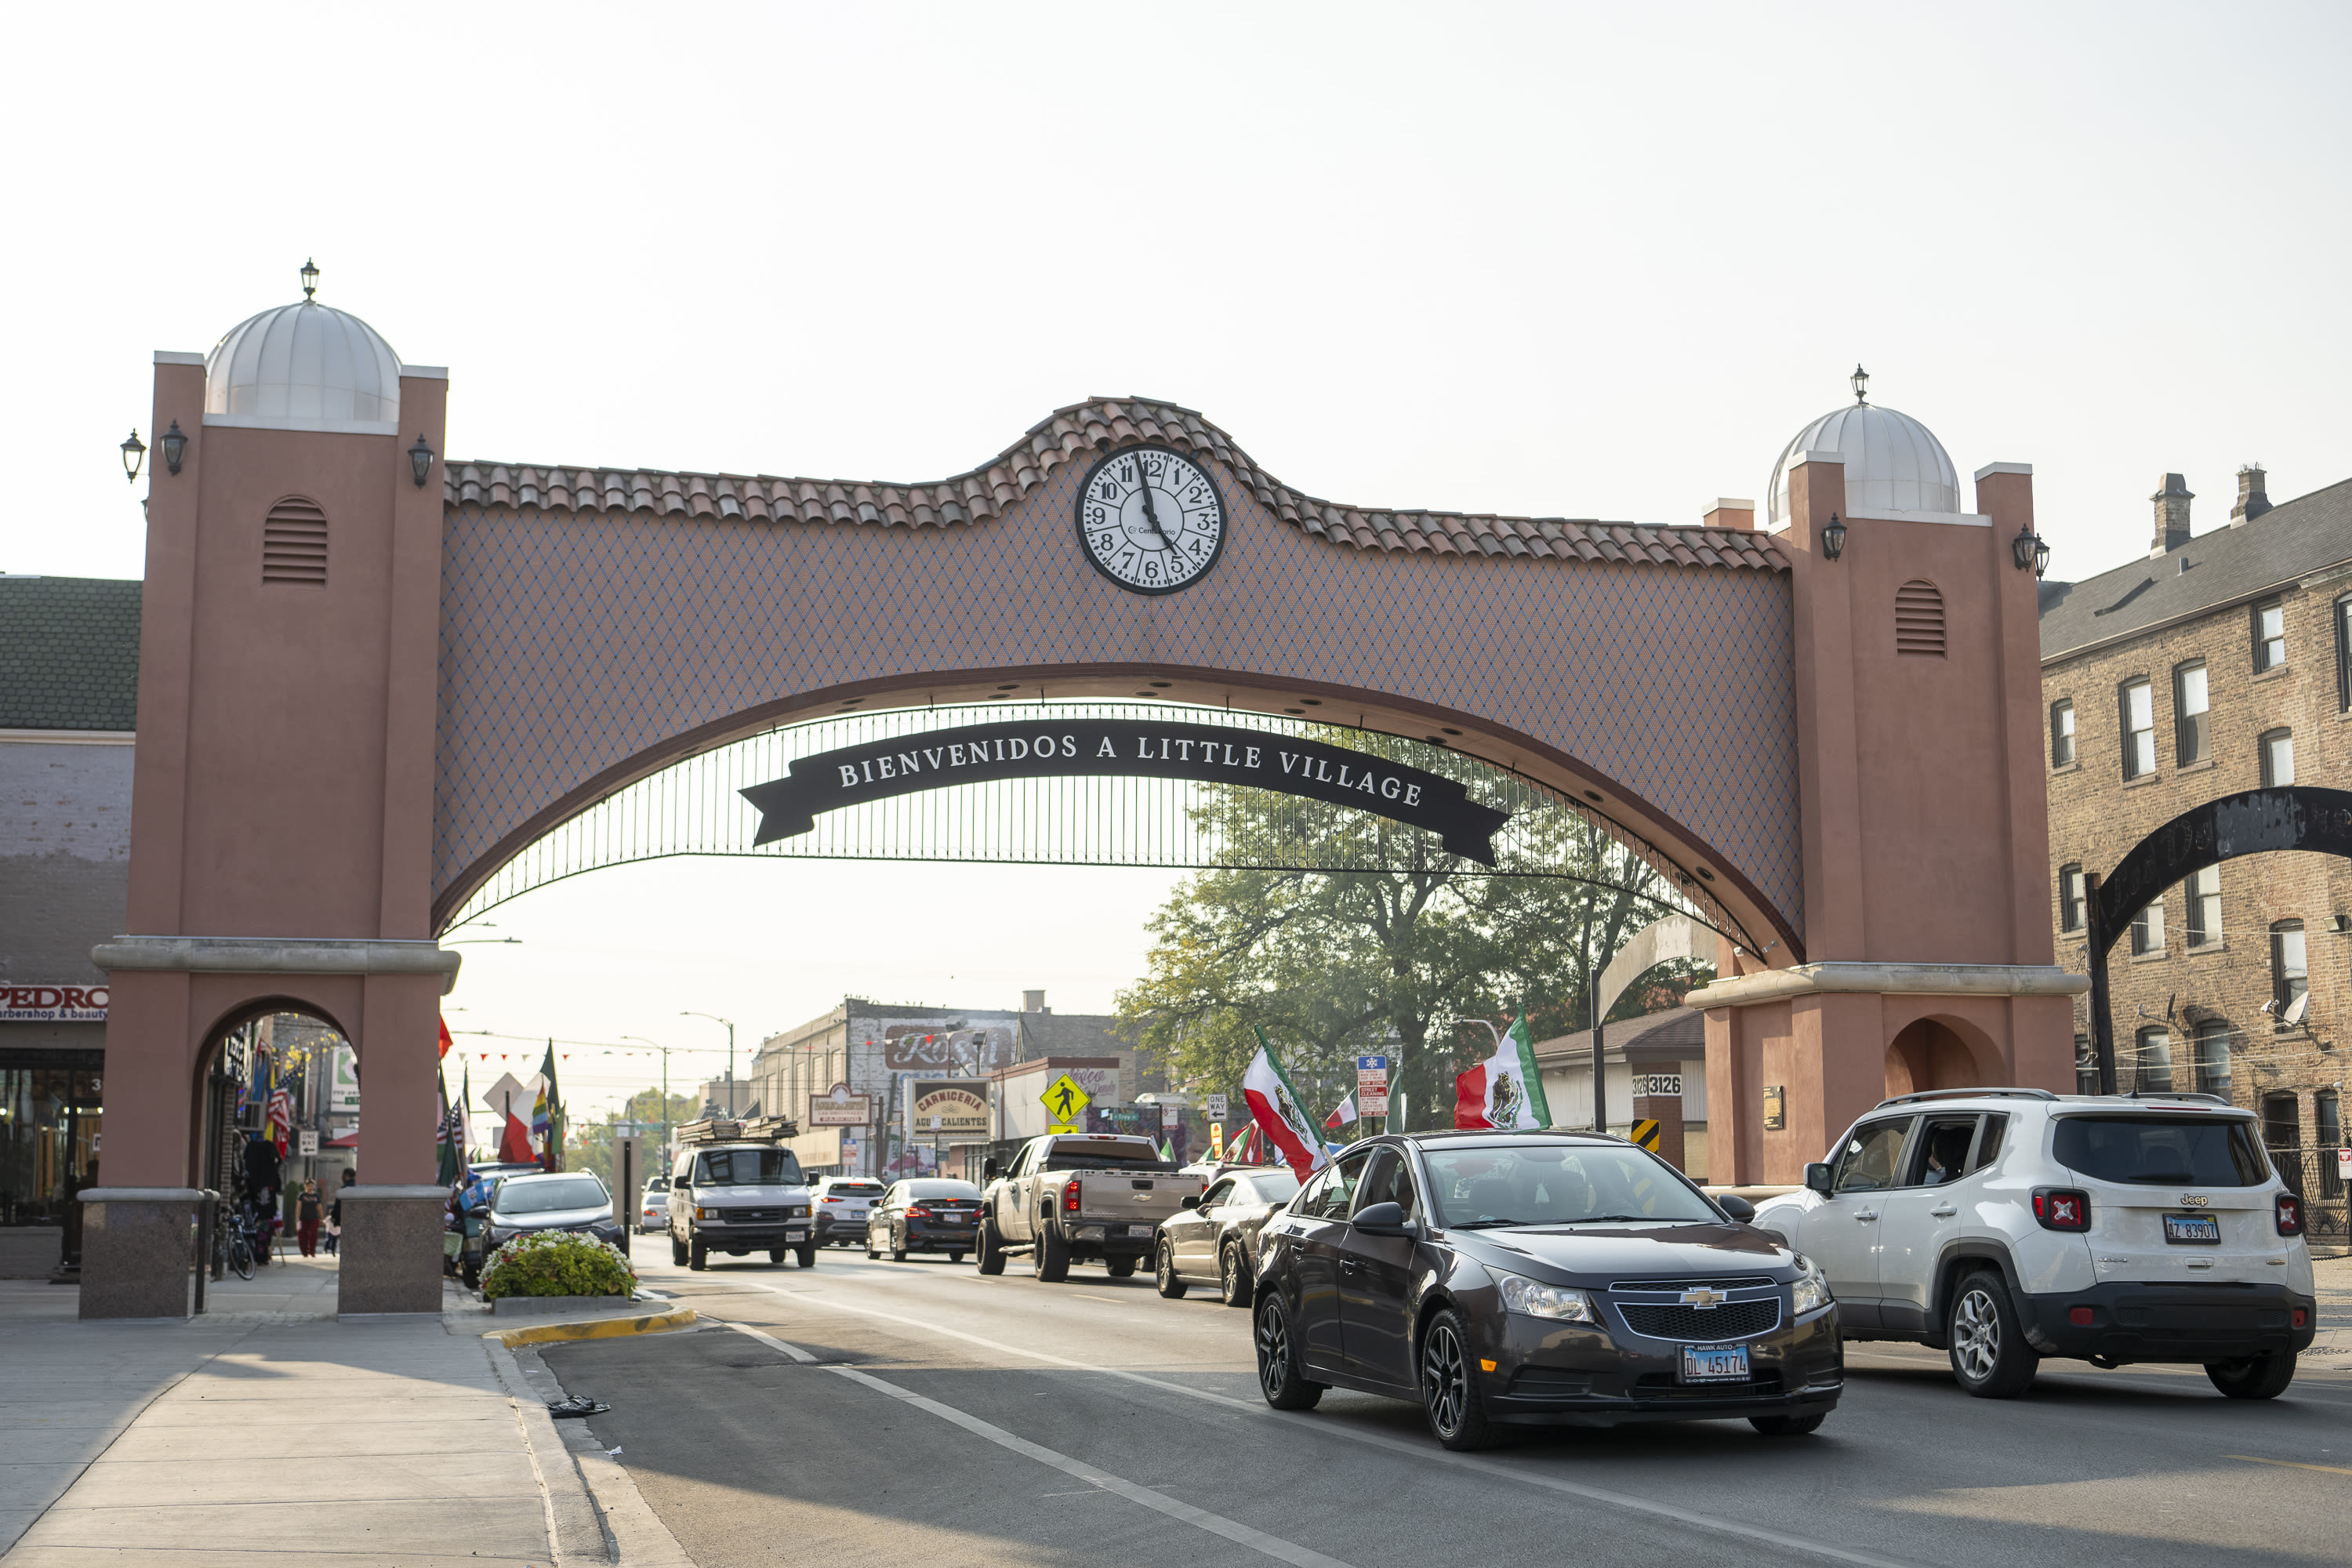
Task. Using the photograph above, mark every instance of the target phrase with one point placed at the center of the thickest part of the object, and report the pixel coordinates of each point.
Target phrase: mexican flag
(1343, 1114)
(1273, 1107)
(1506, 1090)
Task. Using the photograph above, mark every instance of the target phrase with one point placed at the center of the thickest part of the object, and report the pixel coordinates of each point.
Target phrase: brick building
(2220, 662)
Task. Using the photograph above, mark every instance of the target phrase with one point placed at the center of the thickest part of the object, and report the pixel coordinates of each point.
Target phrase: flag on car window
(1343, 1114)
(1275, 1108)
(1506, 1090)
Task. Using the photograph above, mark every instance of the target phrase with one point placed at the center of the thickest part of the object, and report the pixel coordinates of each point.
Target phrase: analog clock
(1150, 520)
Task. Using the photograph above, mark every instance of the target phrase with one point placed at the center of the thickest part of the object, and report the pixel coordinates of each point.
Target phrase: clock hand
(1150, 512)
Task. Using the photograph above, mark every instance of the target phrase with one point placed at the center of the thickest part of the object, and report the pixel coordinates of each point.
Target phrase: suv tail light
(2301, 1317)
(2061, 1208)
(1070, 1198)
(2287, 1209)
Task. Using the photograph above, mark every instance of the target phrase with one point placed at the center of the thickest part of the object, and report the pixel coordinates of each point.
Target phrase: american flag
(281, 1118)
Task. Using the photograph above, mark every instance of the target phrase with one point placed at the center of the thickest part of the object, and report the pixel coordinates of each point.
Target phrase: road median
(594, 1328)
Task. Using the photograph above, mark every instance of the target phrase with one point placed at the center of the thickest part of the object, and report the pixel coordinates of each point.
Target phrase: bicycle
(237, 1242)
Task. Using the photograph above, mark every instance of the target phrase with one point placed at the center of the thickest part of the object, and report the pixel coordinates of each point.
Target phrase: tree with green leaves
(588, 1146)
(1333, 965)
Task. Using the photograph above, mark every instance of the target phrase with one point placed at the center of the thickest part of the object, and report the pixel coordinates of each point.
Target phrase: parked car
(1215, 1239)
(653, 1209)
(925, 1214)
(473, 1223)
(1078, 1198)
(1538, 1279)
(840, 1209)
(553, 1200)
(2004, 1226)
(737, 1198)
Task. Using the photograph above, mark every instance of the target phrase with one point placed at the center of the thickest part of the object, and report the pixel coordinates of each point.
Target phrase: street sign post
(1372, 1086)
(1066, 1103)
(1216, 1108)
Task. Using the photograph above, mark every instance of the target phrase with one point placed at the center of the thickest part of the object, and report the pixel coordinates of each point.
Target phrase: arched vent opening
(1919, 620)
(294, 544)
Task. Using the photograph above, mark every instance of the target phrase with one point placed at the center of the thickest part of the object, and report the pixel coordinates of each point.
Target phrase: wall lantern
(2028, 548)
(420, 459)
(1834, 539)
(310, 280)
(175, 446)
(134, 452)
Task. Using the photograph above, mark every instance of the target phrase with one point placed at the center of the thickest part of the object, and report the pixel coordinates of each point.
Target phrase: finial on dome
(1861, 379)
(311, 280)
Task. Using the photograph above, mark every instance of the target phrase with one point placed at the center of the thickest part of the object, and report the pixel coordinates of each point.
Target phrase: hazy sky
(1594, 262)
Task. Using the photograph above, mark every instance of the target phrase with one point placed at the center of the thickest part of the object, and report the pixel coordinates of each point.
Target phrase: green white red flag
(1506, 1090)
(1275, 1108)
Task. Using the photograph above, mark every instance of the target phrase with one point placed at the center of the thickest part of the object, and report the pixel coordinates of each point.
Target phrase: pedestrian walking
(305, 1219)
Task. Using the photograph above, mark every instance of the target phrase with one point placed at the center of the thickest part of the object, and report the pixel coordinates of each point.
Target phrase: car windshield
(747, 1168)
(1555, 1183)
(527, 1195)
(941, 1189)
(2161, 1151)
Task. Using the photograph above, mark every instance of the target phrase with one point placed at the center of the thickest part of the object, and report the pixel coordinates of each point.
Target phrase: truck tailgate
(1139, 1200)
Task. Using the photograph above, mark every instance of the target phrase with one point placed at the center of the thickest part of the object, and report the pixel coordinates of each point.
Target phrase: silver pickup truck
(1085, 1197)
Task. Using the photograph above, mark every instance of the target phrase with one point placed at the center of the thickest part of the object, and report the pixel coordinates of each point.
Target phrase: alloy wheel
(1273, 1351)
(1445, 1384)
(1976, 1335)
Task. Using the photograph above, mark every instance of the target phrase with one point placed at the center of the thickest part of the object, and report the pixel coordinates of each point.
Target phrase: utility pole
(664, 1051)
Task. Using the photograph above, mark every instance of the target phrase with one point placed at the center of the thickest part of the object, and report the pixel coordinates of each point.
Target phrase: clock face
(1150, 520)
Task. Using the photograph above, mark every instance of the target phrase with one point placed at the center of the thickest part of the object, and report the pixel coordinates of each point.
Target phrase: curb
(594, 1328)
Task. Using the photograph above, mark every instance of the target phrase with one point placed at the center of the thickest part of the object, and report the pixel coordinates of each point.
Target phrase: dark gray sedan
(1215, 1239)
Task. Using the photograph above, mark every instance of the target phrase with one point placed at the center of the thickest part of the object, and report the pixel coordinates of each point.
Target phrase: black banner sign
(1210, 753)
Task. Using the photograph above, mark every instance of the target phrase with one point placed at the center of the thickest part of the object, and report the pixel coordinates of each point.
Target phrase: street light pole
(730, 1053)
(664, 1051)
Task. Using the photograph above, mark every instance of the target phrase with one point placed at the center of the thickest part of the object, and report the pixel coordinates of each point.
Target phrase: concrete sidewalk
(268, 1429)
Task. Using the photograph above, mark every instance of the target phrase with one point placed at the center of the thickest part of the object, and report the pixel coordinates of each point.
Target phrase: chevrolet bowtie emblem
(1704, 1299)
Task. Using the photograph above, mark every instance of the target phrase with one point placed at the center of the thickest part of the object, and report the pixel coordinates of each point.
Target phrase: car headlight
(1534, 1298)
(1812, 1291)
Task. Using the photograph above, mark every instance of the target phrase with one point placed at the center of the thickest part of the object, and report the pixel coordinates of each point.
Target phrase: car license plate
(1715, 1364)
(2192, 1230)
(1139, 1230)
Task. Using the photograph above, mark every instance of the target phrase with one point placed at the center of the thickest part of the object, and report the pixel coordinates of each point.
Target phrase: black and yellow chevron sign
(1646, 1133)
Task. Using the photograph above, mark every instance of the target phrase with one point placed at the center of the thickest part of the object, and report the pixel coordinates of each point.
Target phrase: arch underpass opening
(1128, 817)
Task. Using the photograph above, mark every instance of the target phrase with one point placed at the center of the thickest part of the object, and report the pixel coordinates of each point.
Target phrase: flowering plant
(558, 1263)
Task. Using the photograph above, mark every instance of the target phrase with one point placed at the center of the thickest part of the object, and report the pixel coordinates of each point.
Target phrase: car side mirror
(1192, 1202)
(1738, 1209)
(1817, 1178)
(1382, 1220)
(989, 1171)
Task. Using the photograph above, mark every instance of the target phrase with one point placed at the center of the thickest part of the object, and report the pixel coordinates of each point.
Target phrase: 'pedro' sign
(1207, 754)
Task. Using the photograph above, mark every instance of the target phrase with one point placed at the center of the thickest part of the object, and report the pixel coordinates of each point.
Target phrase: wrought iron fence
(2314, 1176)
(695, 807)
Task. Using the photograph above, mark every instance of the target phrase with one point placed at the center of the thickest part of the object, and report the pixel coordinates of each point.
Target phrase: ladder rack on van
(725, 1130)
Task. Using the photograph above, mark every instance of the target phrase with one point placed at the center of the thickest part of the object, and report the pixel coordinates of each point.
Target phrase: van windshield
(747, 1168)
(2161, 1151)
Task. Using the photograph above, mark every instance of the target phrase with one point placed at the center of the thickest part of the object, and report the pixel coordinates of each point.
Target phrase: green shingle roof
(68, 653)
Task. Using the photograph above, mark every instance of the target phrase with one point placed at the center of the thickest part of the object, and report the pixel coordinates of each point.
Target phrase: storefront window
(48, 1138)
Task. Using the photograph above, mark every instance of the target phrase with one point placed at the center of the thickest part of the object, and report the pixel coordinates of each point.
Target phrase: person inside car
(1947, 1152)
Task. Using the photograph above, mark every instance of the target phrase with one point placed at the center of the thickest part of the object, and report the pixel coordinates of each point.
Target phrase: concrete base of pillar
(390, 1255)
(138, 1252)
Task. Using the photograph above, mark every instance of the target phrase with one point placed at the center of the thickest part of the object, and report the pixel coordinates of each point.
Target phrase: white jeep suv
(2005, 1225)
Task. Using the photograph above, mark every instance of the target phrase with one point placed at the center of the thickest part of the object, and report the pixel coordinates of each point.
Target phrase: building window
(2270, 634)
(2070, 897)
(2344, 654)
(2191, 723)
(2278, 757)
(2062, 733)
(2086, 1066)
(2205, 907)
(2328, 1134)
(2152, 1069)
(2213, 1059)
(2290, 977)
(2139, 729)
(2148, 929)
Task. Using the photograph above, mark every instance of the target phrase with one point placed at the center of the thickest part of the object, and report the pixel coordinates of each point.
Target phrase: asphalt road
(885, 1413)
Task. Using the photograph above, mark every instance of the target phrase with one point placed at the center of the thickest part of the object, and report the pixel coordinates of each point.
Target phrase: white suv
(2005, 1225)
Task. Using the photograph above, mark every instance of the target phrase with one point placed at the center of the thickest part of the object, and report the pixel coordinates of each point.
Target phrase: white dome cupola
(1894, 464)
(305, 366)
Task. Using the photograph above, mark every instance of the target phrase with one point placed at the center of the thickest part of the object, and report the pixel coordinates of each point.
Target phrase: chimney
(1728, 512)
(1033, 1001)
(2171, 515)
(2253, 498)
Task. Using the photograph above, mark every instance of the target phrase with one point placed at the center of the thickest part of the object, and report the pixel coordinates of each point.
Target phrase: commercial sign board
(947, 1111)
(53, 1004)
(839, 1107)
(1124, 748)
(343, 1084)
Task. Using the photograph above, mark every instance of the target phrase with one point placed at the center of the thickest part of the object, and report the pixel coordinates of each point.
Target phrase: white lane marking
(1240, 1534)
(1409, 1451)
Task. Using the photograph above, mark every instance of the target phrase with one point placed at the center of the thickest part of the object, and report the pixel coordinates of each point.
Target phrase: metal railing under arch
(694, 807)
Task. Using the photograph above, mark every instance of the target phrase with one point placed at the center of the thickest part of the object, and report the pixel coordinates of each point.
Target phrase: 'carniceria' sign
(1208, 753)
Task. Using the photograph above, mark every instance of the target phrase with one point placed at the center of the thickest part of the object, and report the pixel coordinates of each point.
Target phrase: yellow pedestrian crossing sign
(1646, 1133)
(1066, 1103)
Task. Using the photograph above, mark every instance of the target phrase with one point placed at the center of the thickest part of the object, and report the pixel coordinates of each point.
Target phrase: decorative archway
(2253, 822)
